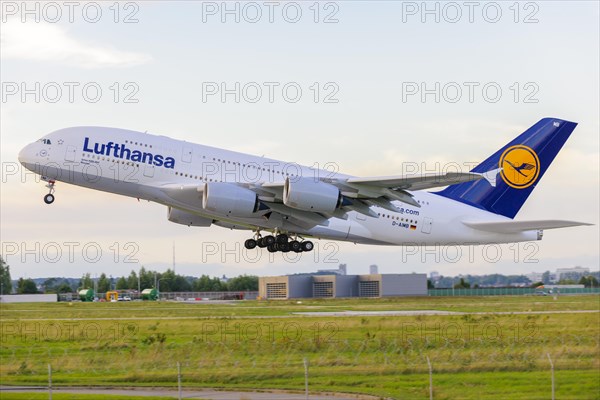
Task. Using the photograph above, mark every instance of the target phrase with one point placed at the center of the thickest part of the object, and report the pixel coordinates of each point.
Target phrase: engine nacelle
(308, 194)
(227, 199)
(186, 218)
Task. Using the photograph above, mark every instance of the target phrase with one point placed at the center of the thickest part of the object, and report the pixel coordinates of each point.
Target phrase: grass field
(252, 344)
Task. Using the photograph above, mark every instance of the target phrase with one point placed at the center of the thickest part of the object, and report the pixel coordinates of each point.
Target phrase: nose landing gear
(49, 198)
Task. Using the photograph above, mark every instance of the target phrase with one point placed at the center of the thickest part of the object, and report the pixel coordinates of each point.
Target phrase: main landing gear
(279, 242)
(49, 198)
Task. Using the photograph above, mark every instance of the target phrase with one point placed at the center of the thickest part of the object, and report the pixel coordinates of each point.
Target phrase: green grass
(261, 345)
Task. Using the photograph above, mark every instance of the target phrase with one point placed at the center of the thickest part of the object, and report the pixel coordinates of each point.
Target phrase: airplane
(202, 186)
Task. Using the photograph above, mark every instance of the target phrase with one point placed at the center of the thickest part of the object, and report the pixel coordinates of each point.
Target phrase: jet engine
(228, 199)
(308, 194)
(186, 218)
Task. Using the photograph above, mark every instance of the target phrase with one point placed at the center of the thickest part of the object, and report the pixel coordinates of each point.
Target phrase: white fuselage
(141, 165)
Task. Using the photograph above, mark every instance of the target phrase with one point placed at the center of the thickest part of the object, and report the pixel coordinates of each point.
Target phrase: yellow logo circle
(520, 166)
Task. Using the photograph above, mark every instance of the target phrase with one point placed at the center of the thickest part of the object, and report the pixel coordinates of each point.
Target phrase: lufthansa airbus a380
(202, 186)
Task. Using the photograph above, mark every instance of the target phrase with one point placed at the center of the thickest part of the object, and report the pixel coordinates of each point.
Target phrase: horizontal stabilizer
(491, 176)
(521, 226)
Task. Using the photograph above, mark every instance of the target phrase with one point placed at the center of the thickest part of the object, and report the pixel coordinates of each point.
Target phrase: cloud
(46, 42)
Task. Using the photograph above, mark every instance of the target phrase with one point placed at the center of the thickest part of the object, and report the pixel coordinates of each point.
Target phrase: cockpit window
(45, 141)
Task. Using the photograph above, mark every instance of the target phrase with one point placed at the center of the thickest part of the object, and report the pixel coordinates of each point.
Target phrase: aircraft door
(186, 155)
(427, 223)
(149, 170)
(70, 154)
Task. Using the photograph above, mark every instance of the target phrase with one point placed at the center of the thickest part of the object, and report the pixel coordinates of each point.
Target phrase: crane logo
(520, 166)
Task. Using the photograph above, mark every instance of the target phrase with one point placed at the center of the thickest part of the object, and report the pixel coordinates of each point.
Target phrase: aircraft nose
(25, 154)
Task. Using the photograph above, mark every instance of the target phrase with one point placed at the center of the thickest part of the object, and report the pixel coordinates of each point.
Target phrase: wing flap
(521, 226)
(269, 191)
(308, 218)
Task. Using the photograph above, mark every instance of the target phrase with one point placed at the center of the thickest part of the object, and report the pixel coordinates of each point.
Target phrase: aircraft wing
(423, 181)
(361, 193)
(381, 190)
(521, 226)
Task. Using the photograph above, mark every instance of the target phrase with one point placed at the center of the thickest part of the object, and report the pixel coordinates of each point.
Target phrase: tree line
(498, 280)
(167, 281)
(588, 281)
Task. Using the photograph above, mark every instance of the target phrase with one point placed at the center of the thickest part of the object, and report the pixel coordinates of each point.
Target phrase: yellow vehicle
(112, 296)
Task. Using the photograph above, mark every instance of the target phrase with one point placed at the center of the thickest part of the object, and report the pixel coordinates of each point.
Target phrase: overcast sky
(384, 87)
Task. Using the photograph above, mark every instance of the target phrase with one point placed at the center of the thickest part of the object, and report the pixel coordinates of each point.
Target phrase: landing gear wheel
(272, 248)
(250, 244)
(282, 238)
(295, 246)
(49, 198)
(269, 240)
(283, 247)
(307, 246)
(261, 243)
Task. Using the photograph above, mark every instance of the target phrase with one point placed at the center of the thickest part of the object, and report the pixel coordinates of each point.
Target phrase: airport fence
(107, 371)
(199, 296)
(253, 295)
(180, 296)
(511, 292)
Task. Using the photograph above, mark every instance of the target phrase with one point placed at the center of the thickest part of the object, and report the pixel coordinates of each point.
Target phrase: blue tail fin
(523, 161)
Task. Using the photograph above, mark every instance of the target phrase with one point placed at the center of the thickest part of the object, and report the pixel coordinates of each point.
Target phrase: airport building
(575, 272)
(336, 286)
